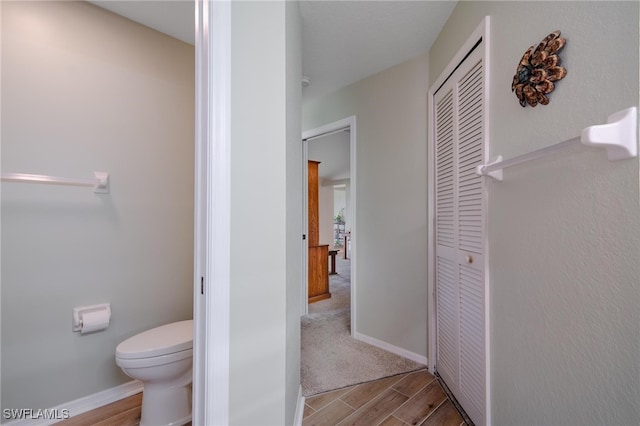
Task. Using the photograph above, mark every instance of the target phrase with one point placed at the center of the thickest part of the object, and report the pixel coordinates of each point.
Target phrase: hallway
(407, 399)
(332, 359)
(348, 382)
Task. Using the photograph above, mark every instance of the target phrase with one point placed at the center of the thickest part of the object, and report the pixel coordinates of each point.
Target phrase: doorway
(328, 143)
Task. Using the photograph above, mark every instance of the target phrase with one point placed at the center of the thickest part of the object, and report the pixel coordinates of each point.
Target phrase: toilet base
(165, 406)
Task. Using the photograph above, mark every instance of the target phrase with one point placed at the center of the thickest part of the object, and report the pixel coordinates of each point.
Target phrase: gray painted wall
(564, 232)
(391, 196)
(85, 90)
(266, 203)
(295, 170)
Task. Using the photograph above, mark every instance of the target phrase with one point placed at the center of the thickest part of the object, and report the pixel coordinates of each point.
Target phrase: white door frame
(211, 287)
(348, 123)
(481, 33)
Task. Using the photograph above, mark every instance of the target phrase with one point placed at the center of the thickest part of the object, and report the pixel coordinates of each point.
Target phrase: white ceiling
(346, 41)
(342, 41)
(173, 17)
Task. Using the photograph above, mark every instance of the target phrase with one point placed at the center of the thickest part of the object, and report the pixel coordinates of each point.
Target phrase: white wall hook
(619, 136)
(102, 187)
(484, 169)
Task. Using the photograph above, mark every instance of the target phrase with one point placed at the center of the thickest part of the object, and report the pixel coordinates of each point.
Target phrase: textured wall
(391, 289)
(84, 90)
(564, 232)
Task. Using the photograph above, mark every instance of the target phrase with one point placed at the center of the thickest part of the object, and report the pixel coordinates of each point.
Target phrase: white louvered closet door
(460, 235)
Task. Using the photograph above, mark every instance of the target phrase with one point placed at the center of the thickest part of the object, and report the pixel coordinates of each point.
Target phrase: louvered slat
(470, 154)
(445, 172)
(472, 335)
(471, 238)
(447, 317)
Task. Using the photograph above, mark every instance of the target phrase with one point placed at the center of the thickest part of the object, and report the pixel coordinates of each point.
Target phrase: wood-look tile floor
(407, 399)
(125, 412)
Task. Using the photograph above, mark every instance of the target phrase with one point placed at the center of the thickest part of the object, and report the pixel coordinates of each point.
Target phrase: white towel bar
(619, 137)
(100, 183)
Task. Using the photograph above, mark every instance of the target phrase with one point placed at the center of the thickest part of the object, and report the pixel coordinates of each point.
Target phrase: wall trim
(391, 348)
(297, 420)
(84, 404)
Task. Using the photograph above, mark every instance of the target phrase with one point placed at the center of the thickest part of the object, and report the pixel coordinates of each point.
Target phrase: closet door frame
(480, 34)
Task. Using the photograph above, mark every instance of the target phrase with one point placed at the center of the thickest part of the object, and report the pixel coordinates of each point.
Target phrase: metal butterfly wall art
(538, 71)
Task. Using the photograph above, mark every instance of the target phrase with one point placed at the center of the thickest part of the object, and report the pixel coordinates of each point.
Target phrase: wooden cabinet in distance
(318, 253)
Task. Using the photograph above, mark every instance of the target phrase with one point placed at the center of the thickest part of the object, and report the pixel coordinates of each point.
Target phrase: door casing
(211, 286)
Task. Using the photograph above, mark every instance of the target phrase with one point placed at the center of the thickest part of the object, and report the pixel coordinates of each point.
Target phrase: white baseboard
(78, 406)
(297, 420)
(391, 348)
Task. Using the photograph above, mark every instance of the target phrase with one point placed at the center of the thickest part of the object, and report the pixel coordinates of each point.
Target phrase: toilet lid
(166, 339)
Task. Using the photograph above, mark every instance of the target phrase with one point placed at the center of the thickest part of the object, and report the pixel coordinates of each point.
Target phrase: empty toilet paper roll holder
(81, 310)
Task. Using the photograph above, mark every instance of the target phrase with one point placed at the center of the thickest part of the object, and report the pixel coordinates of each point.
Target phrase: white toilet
(162, 359)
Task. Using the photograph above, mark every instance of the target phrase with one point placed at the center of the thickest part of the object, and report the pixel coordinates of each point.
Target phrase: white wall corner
(421, 359)
(297, 420)
(78, 406)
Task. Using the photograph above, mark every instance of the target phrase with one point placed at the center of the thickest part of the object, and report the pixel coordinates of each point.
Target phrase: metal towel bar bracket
(619, 137)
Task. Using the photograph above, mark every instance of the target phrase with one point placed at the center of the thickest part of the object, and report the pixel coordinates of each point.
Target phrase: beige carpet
(331, 358)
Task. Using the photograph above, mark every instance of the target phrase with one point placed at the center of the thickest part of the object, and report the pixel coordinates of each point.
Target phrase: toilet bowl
(162, 359)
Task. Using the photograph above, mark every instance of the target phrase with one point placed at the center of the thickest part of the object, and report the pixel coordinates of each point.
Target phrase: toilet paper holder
(81, 310)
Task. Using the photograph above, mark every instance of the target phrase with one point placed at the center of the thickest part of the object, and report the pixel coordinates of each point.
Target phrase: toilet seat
(153, 360)
(166, 342)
